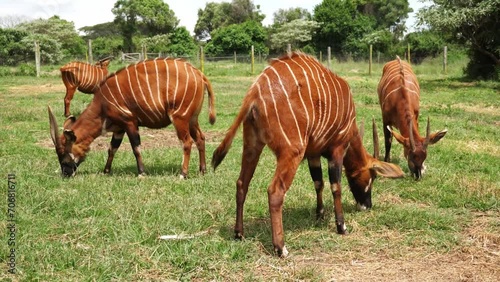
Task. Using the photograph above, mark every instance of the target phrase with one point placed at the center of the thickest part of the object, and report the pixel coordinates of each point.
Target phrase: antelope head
(64, 145)
(415, 147)
(362, 169)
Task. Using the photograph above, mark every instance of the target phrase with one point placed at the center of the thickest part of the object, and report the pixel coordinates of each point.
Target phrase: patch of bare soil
(150, 139)
(37, 89)
(477, 258)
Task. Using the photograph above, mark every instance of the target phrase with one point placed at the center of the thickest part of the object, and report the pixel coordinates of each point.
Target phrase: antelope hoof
(141, 175)
(183, 176)
(238, 235)
(107, 171)
(342, 229)
(282, 253)
(320, 214)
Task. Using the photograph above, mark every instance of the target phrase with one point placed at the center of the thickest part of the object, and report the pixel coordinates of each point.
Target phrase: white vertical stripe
(186, 86)
(289, 104)
(139, 84)
(276, 109)
(195, 91)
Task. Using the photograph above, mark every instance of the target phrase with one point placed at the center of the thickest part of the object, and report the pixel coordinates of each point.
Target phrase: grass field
(97, 227)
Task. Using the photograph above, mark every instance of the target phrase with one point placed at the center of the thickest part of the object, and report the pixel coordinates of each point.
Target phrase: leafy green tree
(388, 14)
(106, 46)
(424, 44)
(51, 50)
(297, 33)
(12, 52)
(146, 17)
(342, 27)
(214, 16)
(182, 43)
(239, 38)
(475, 25)
(245, 10)
(59, 30)
(219, 15)
(283, 16)
(109, 29)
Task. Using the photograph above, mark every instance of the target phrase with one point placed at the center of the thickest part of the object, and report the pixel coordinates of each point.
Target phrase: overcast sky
(92, 12)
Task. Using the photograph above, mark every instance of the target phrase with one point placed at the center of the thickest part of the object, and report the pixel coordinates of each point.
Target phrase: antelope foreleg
(388, 143)
(135, 142)
(317, 177)
(334, 173)
(116, 141)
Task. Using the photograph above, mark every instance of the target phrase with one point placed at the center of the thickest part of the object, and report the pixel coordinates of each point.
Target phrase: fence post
(329, 57)
(370, 61)
(289, 48)
(202, 59)
(89, 52)
(445, 59)
(409, 56)
(144, 52)
(235, 57)
(37, 58)
(253, 59)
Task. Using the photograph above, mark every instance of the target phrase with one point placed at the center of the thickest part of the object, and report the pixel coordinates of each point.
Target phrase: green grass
(106, 227)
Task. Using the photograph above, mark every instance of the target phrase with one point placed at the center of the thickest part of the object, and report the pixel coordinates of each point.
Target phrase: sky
(92, 12)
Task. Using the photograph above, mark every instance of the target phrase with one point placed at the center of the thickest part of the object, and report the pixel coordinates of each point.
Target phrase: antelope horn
(427, 133)
(412, 140)
(375, 141)
(54, 129)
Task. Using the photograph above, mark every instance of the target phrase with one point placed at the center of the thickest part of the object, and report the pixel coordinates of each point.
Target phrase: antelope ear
(54, 130)
(387, 169)
(69, 122)
(435, 137)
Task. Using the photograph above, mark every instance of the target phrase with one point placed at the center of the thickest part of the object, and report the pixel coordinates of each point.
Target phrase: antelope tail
(211, 100)
(225, 145)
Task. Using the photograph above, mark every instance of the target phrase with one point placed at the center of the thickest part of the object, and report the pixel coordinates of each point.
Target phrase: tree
(12, 52)
(214, 16)
(182, 43)
(348, 26)
(283, 16)
(147, 17)
(238, 38)
(219, 15)
(297, 33)
(387, 14)
(475, 25)
(424, 44)
(342, 26)
(109, 29)
(61, 31)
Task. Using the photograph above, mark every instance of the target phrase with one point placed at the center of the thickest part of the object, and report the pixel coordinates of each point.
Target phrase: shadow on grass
(295, 219)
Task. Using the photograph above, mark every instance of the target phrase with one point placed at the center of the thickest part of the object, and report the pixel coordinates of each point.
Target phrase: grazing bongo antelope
(152, 93)
(300, 110)
(84, 77)
(399, 95)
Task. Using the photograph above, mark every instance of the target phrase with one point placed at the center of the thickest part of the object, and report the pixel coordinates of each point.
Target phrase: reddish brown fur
(152, 93)
(399, 95)
(300, 110)
(82, 76)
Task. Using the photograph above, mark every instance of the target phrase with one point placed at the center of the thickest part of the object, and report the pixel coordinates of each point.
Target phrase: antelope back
(303, 103)
(154, 91)
(85, 77)
(399, 93)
